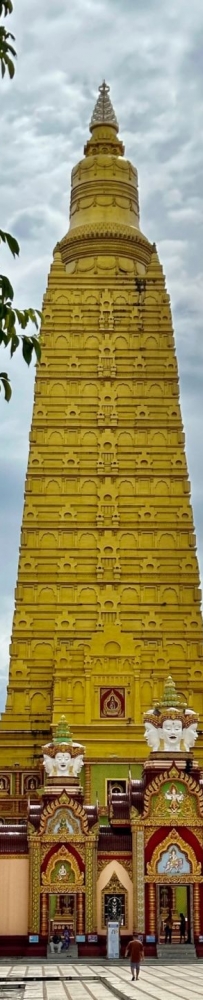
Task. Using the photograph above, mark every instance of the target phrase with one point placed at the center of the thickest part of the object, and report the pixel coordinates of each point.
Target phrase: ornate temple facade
(108, 602)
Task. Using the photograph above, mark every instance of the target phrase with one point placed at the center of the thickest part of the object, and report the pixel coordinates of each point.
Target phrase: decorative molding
(90, 878)
(196, 898)
(47, 841)
(140, 882)
(134, 866)
(112, 856)
(65, 837)
(67, 887)
(175, 879)
(100, 229)
(34, 887)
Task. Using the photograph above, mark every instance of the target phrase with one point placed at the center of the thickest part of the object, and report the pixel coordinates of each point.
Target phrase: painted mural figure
(173, 862)
(174, 797)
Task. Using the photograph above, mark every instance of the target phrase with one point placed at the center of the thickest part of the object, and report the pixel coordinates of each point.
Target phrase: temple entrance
(62, 919)
(173, 900)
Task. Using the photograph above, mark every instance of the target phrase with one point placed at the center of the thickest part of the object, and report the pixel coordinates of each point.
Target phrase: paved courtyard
(158, 982)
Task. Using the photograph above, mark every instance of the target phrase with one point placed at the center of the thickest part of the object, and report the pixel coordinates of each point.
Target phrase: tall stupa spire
(104, 113)
(107, 596)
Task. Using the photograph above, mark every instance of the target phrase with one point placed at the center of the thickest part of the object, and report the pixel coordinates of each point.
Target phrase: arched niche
(55, 438)
(38, 703)
(42, 651)
(88, 596)
(47, 596)
(78, 694)
(166, 541)
(89, 439)
(57, 389)
(115, 870)
(87, 541)
(53, 487)
(47, 541)
(88, 488)
(127, 541)
(90, 389)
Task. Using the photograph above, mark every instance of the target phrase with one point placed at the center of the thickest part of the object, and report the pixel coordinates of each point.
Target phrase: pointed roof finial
(62, 732)
(170, 696)
(103, 111)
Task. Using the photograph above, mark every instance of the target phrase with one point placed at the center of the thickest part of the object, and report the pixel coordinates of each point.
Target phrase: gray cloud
(150, 54)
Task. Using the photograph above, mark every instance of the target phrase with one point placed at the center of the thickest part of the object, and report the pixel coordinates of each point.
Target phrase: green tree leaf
(11, 318)
(6, 7)
(6, 290)
(27, 349)
(11, 241)
(4, 379)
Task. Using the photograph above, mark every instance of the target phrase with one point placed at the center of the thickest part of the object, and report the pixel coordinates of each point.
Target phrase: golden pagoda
(107, 602)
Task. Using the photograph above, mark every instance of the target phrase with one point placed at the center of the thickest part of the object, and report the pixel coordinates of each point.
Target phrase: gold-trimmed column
(80, 911)
(138, 873)
(87, 784)
(152, 908)
(44, 913)
(34, 884)
(91, 884)
(134, 866)
(137, 702)
(196, 898)
(140, 882)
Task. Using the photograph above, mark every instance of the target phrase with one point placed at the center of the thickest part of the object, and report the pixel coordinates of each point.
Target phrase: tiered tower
(107, 597)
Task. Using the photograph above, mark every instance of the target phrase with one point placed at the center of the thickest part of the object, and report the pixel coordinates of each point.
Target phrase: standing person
(66, 939)
(168, 927)
(136, 952)
(182, 927)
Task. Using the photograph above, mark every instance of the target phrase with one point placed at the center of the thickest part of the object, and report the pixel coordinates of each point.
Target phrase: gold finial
(103, 112)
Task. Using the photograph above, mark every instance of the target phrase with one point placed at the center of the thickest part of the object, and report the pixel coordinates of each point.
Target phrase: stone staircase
(64, 956)
(176, 954)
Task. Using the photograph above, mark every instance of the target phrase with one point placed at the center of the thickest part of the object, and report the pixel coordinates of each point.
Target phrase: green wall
(181, 899)
(101, 772)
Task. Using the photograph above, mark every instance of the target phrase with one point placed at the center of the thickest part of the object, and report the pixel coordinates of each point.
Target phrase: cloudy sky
(150, 51)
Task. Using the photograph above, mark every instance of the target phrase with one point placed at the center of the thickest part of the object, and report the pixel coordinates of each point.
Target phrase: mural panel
(112, 703)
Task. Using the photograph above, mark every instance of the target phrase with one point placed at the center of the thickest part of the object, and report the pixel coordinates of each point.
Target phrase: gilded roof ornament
(104, 113)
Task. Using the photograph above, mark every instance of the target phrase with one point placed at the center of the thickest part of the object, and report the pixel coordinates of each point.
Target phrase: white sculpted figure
(77, 764)
(190, 734)
(62, 757)
(62, 763)
(170, 725)
(48, 764)
(171, 733)
(152, 736)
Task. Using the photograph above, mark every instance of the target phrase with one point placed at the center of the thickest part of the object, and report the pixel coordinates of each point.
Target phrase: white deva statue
(62, 757)
(170, 725)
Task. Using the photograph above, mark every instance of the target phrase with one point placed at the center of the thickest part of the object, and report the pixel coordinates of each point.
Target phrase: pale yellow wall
(103, 880)
(14, 888)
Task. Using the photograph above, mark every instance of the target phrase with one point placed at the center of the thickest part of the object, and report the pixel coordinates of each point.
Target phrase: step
(180, 953)
(70, 955)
